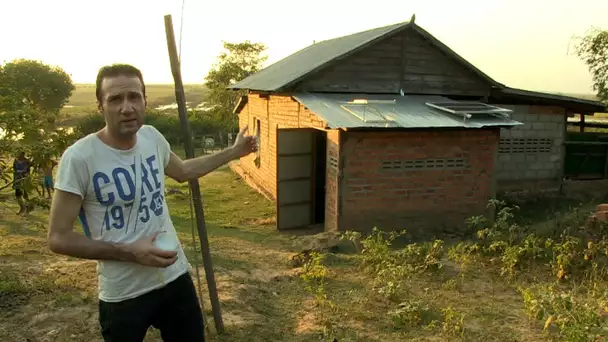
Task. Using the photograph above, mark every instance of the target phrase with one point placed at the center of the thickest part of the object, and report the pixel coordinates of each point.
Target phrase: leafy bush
(314, 275)
(169, 125)
(506, 243)
(391, 267)
(410, 313)
(578, 255)
(90, 123)
(453, 322)
(577, 317)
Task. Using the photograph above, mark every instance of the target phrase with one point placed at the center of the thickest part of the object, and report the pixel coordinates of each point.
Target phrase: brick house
(386, 127)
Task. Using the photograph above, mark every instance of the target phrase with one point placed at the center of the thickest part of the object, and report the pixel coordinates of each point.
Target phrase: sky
(526, 44)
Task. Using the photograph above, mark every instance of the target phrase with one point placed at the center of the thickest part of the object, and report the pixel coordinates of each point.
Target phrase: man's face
(122, 104)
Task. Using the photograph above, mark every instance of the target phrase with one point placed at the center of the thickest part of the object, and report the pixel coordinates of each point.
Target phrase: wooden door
(294, 178)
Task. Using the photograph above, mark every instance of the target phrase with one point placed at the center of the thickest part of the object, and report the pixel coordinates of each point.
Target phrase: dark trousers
(173, 309)
(19, 192)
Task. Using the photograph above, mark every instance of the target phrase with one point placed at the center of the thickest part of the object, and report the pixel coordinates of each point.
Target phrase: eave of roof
(573, 103)
(240, 104)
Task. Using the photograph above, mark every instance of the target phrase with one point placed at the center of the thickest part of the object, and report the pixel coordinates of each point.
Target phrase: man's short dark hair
(117, 70)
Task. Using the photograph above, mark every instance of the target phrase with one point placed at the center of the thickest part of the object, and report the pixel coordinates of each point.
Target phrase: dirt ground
(47, 297)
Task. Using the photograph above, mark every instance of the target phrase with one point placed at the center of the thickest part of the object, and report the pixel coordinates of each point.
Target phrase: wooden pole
(194, 187)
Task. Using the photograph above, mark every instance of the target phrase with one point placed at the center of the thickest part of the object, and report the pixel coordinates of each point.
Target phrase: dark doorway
(320, 162)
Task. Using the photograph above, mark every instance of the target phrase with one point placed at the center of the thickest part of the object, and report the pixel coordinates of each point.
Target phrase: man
(21, 172)
(114, 181)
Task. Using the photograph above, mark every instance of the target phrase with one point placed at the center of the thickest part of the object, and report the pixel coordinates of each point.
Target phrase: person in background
(21, 172)
(47, 182)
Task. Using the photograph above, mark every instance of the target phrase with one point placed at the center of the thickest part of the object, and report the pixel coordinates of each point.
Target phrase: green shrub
(575, 316)
(168, 124)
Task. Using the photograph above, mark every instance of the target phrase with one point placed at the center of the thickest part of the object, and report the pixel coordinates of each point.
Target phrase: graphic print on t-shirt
(117, 191)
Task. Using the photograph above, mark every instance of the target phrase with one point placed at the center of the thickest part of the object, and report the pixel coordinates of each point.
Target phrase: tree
(236, 63)
(31, 95)
(593, 50)
(43, 87)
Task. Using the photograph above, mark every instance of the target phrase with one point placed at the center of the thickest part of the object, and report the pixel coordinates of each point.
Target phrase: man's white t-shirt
(123, 195)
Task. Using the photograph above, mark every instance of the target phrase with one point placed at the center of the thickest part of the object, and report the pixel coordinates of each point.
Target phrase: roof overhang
(240, 104)
(507, 95)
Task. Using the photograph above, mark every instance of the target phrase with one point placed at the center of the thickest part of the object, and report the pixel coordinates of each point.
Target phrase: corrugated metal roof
(409, 111)
(310, 58)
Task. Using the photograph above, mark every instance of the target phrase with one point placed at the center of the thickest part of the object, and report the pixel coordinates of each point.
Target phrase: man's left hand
(244, 144)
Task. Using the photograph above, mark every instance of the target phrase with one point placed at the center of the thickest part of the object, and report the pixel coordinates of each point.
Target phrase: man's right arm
(62, 238)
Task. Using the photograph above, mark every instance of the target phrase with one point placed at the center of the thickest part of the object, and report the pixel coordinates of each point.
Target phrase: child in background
(47, 182)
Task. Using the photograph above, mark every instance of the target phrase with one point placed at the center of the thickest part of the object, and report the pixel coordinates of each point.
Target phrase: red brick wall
(418, 200)
(262, 176)
(274, 111)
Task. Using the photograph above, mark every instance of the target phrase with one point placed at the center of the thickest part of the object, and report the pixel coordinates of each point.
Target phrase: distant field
(83, 99)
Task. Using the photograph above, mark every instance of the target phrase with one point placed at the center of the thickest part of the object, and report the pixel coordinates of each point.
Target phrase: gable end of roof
(297, 66)
(452, 54)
